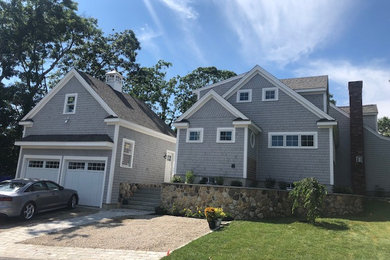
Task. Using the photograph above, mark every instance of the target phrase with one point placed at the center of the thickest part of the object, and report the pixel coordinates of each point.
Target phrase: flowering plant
(214, 213)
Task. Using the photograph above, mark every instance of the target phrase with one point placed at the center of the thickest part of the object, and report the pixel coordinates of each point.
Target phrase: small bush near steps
(308, 194)
(190, 177)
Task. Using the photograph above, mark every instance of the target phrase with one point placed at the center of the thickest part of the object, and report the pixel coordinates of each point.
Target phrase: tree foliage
(198, 78)
(384, 126)
(35, 35)
(308, 194)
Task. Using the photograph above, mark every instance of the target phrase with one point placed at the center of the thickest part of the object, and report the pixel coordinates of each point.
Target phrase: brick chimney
(357, 137)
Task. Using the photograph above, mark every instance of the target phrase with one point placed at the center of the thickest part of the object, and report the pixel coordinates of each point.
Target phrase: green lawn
(362, 237)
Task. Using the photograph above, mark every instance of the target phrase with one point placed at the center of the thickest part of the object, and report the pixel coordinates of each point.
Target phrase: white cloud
(182, 7)
(147, 37)
(375, 77)
(282, 31)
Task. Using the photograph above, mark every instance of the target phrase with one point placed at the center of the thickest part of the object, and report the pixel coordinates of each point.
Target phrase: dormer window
(70, 103)
(270, 94)
(244, 95)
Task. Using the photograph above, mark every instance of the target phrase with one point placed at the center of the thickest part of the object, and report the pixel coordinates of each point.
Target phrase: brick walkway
(10, 248)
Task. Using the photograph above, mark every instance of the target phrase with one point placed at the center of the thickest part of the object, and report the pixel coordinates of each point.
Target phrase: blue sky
(345, 39)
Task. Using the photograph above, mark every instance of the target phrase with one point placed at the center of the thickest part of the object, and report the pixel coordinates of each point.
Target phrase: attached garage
(84, 174)
(87, 177)
(48, 169)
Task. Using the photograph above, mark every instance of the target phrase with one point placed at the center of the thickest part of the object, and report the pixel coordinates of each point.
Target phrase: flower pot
(218, 223)
(212, 224)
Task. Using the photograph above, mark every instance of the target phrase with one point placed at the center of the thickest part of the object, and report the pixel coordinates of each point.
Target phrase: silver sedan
(26, 197)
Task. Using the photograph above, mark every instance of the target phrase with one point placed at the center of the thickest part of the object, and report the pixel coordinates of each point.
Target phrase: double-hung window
(226, 135)
(127, 153)
(194, 135)
(244, 95)
(292, 140)
(70, 103)
(270, 94)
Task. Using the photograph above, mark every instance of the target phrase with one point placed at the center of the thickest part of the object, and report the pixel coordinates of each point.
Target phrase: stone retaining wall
(248, 203)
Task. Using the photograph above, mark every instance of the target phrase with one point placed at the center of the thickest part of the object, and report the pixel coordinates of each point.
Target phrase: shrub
(204, 180)
(236, 183)
(187, 213)
(219, 213)
(342, 189)
(270, 183)
(177, 179)
(219, 180)
(190, 177)
(309, 195)
(160, 210)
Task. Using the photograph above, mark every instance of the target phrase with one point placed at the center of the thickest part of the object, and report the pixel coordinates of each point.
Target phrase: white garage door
(43, 169)
(87, 178)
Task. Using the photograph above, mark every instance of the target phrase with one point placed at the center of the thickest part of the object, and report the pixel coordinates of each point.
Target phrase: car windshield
(11, 186)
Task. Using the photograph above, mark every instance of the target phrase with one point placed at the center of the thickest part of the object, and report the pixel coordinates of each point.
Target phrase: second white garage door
(87, 178)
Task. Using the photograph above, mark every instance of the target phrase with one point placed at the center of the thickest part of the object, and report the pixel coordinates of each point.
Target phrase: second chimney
(358, 178)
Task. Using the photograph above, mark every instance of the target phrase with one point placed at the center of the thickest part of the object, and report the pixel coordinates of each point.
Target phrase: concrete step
(139, 207)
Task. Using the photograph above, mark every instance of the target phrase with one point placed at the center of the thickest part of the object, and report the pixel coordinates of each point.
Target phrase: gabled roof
(257, 70)
(127, 107)
(371, 109)
(212, 95)
(116, 104)
(306, 83)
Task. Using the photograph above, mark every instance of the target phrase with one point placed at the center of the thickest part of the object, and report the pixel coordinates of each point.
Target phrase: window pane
(76, 165)
(244, 96)
(225, 136)
(70, 100)
(291, 140)
(277, 140)
(96, 166)
(128, 148)
(270, 94)
(70, 108)
(52, 164)
(194, 136)
(35, 164)
(126, 160)
(307, 140)
(52, 186)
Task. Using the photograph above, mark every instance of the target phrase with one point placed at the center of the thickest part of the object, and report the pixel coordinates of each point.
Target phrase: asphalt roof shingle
(306, 82)
(127, 107)
(367, 109)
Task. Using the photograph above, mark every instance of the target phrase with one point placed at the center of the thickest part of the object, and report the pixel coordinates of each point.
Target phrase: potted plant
(214, 217)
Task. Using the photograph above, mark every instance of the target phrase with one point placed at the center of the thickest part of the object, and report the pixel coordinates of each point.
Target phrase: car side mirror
(61, 188)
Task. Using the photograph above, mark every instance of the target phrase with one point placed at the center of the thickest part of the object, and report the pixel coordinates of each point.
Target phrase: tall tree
(198, 78)
(35, 35)
(384, 126)
(151, 86)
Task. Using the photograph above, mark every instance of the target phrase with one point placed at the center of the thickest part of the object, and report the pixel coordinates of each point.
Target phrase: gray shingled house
(88, 135)
(254, 126)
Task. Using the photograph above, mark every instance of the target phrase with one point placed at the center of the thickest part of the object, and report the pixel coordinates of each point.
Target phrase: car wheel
(72, 202)
(28, 211)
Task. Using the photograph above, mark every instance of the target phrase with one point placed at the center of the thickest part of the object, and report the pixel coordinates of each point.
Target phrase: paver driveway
(11, 248)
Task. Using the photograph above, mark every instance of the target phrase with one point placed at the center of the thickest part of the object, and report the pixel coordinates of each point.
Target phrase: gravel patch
(146, 233)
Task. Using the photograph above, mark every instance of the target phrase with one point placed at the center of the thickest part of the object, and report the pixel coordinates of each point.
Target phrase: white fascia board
(181, 125)
(66, 145)
(331, 157)
(26, 123)
(197, 91)
(311, 90)
(326, 124)
(249, 124)
(59, 86)
(139, 128)
(212, 94)
(258, 70)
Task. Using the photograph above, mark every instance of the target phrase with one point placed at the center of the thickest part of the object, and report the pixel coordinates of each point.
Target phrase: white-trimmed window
(292, 140)
(70, 103)
(127, 153)
(226, 135)
(252, 140)
(194, 135)
(270, 94)
(244, 95)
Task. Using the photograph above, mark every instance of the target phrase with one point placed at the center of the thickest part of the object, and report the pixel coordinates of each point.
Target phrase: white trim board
(331, 157)
(112, 165)
(277, 83)
(200, 130)
(59, 86)
(212, 94)
(125, 140)
(139, 128)
(222, 129)
(299, 134)
(66, 145)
